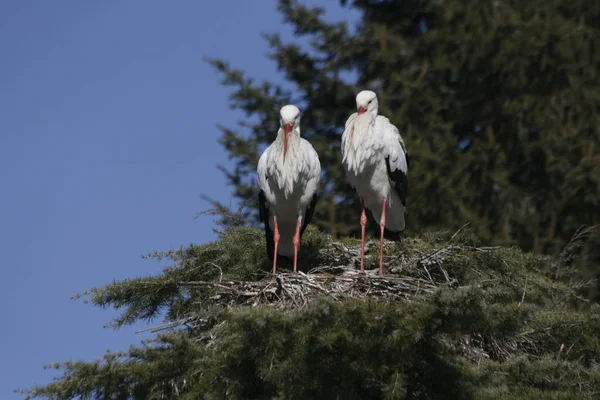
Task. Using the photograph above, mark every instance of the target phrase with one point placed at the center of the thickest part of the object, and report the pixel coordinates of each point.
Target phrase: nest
(293, 290)
(412, 275)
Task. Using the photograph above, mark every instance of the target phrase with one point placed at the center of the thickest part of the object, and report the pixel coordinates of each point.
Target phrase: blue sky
(108, 136)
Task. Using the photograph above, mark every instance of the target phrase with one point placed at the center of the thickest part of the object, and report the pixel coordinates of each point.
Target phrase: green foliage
(499, 327)
(516, 84)
(158, 370)
(353, 350)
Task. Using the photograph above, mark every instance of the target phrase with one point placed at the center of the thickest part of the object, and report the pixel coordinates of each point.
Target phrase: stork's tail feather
(271, 248)
(394, 236)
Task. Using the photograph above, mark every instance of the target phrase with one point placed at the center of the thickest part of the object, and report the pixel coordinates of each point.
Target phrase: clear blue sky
(107, 138)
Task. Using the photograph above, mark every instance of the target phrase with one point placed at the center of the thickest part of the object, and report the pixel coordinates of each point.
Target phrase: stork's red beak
(361, 110)
(287, 129)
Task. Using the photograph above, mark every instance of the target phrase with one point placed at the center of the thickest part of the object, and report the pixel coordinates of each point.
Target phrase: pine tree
(498, 105)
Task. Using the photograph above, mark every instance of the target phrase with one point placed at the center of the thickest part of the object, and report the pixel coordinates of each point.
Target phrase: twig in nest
(396, 258)
(321, 288)
(439, 264)
(216, 266)
(427, 271)
(444, 246)
(280, 279)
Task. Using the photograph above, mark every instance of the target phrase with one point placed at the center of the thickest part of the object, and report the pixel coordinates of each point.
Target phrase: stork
(288, 177)
(376, 164)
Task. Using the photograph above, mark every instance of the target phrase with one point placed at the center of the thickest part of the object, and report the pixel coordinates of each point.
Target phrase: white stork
(376, 164)
(288, 176)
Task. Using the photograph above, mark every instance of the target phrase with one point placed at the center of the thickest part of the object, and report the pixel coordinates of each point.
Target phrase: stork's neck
(363, 124)
(287, 171)
(293, 146)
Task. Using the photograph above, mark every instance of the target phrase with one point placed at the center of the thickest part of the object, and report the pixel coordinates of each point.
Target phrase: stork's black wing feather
(263, 215)
(309, 213)
(398, 179)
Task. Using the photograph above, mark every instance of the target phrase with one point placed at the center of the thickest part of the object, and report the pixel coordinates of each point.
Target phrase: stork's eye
(370, 101)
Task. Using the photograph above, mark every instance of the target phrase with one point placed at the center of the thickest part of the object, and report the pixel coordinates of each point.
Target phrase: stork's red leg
(276, 240)
(296, 243)
(363, 224)
(382, 227)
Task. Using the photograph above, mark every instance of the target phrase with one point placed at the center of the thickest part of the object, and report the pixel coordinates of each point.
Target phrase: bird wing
(264, 217)
(396, 157)
(262, 170)
(263, 206)
(310, 210)
(347, 129)
(313, 175)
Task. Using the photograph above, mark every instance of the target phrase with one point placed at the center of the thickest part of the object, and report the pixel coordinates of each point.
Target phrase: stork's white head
(290, 116)
(289, 121)
(367, 101)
